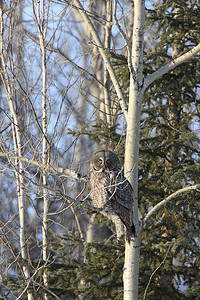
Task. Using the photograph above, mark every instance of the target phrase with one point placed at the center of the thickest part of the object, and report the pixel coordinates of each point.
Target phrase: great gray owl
(111, 191)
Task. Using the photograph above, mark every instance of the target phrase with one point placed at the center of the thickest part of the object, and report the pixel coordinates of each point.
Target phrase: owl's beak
(104, 168)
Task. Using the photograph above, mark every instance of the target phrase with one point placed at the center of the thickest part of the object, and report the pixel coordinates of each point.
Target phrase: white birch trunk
(42, 34)
(132, 250)
(108, 9)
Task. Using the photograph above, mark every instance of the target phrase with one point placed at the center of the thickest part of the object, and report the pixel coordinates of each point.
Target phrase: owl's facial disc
(105, 161)
(103, 164)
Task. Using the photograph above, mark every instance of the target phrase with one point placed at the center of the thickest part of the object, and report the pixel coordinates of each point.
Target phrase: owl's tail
(130, 232)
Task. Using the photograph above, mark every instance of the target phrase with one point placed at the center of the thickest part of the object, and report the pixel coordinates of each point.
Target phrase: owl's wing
(122, 202)
(124, 192)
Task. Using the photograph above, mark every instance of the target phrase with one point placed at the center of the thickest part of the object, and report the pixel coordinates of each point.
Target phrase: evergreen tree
(169, 156)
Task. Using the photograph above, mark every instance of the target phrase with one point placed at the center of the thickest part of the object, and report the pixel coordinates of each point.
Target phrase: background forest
(57, 106)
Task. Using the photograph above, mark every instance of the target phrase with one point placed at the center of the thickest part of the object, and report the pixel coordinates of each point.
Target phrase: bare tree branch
(48, 167)
(166, 200)
(171, 65)
(50, 47)
(127, 42)
(102, 51)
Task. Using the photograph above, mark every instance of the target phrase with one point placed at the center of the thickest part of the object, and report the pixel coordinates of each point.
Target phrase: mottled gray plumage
(111, 191)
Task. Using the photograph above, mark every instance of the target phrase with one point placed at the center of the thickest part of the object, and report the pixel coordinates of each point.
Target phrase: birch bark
(106, 74)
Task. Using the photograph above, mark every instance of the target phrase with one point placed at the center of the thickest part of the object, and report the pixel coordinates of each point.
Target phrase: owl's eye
(100, 161)
(108, 161)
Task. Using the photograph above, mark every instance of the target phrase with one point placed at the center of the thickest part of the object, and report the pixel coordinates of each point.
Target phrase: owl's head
(104, 160)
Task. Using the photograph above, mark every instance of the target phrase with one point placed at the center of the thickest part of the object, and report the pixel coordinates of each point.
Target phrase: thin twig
(125, 38)
(162, 262)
